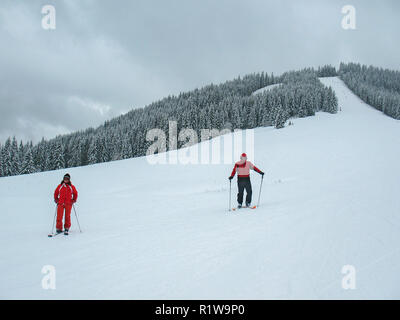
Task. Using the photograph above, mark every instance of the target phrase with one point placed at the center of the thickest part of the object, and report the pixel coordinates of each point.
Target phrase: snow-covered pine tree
(376, 86)
(210, 107)
(7, 158)
(58, 156)
(1, 161)
(14, 157)
(28, 165)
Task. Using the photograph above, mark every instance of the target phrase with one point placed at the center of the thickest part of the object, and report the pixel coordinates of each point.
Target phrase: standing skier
(243, 167)
(65, 196)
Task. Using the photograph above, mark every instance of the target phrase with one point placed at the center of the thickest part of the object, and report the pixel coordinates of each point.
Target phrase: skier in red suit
(65, 196)
(242, 168)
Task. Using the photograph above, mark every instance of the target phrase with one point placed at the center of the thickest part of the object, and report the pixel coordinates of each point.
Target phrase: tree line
(228, 105)
(378, 87)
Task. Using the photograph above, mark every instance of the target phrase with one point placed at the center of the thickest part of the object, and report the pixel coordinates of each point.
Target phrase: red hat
(243, 155)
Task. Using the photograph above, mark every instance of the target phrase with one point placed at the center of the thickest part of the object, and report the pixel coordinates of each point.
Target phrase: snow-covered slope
(267, 88)
(330, 198)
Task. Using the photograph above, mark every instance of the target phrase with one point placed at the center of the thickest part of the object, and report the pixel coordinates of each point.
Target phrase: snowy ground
(330, 198)
(267, 88)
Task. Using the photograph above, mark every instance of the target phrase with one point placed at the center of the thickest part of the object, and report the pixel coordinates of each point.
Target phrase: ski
(51, 235)
(251, 207)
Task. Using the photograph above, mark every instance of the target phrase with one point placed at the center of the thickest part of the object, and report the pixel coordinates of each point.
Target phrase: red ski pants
(60, 213)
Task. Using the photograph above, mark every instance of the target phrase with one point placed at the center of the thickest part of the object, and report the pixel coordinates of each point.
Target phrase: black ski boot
(66, 232)
(58, 230)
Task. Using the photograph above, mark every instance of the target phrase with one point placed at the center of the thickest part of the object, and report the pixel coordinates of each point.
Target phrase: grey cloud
(107, 57)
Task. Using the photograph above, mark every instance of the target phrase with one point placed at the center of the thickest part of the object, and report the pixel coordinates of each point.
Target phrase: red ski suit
(65, 195)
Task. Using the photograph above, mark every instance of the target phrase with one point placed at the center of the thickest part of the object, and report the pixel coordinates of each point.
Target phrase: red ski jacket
(65, 194)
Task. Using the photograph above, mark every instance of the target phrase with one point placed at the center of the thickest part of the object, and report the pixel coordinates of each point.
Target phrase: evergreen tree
(377, 87)
(1, 161)
(58, 157)
(14, 157)
(28, 165)
(232, 103)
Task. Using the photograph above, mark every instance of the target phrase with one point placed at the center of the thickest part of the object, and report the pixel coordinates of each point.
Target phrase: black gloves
(262, 173)
(230, 178)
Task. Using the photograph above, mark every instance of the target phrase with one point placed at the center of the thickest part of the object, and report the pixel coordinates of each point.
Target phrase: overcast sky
(106, 57)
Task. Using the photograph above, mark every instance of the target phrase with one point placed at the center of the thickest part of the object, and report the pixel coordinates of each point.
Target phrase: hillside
(330, 198)
(227, 105)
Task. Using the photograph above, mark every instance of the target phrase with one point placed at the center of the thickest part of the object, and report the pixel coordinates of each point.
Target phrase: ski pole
(76, 216)
(230, 194)
(259, 195)
(54, 219)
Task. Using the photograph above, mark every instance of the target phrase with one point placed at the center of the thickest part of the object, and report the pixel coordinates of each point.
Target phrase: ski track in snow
(267, 88)
(329, 199)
